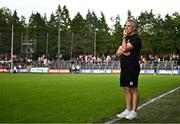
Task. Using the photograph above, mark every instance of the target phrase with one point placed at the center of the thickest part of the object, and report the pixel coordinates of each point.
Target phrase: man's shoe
(132, 115)
(123, 114)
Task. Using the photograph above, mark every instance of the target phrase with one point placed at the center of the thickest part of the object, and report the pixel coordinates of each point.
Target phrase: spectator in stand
(178, 63)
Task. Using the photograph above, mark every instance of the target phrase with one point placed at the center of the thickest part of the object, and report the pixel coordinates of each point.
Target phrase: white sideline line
(145, 104)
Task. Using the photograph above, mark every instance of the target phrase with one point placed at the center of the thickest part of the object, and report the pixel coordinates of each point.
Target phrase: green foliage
(159, 35)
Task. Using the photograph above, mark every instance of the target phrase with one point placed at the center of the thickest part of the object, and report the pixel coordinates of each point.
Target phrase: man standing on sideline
(130, 68)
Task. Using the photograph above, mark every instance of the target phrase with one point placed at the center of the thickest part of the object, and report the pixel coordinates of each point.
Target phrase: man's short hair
(134, 23)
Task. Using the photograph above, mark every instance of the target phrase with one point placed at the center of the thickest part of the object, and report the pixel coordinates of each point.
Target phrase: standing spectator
(77, 68)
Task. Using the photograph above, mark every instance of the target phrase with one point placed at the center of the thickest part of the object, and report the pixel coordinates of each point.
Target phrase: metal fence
(165, 65)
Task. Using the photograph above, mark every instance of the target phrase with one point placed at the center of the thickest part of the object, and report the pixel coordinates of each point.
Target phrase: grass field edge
(145, 104)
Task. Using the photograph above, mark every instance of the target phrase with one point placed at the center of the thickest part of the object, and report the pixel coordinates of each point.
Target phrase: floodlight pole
(59, 42)
(72, 44)
(95, 43)
(47, 45)
(59, 45)
(0, 37)
(12, 42)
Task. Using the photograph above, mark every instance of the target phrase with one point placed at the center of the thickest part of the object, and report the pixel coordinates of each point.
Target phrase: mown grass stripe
(145, 104)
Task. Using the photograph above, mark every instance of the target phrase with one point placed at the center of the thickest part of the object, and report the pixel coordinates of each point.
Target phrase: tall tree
(177, 33)
(37, 31)
(129, 15)
(91, 25)
(5, 30)
(78, 28)
(53, 35)
(66, 32)
(145, 25)
(157, 31)
(169, 33)
(116, 35)
(103, 36)
(18, 30)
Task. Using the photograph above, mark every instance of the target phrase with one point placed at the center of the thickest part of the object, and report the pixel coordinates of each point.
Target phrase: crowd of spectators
(43, 61)
(93, 59)
(157, 59)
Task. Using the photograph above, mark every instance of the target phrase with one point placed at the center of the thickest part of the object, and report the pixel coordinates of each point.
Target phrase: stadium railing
(164, 65)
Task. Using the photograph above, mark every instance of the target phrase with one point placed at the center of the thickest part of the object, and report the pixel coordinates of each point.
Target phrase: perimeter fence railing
(162, 65)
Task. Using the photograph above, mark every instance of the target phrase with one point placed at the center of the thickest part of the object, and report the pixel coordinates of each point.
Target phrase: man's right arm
(119, 51)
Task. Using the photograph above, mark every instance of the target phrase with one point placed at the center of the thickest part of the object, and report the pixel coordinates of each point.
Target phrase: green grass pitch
(65, 98)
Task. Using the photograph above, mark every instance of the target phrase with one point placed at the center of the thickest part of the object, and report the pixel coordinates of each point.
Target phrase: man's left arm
(126, 46)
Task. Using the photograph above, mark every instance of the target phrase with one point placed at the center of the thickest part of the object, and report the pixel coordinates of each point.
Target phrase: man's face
(129, 27)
